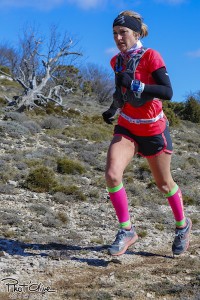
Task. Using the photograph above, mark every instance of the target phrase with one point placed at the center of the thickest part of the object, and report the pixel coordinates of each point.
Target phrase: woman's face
(124, 38)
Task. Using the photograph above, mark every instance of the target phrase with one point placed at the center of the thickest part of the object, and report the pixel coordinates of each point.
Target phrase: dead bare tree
(101, 82)
(37, 68)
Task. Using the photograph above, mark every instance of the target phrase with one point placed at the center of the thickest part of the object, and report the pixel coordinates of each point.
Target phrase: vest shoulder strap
(132, 63)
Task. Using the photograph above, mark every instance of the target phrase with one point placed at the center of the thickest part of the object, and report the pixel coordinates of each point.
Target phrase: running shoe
(181, 240)
(123, 240)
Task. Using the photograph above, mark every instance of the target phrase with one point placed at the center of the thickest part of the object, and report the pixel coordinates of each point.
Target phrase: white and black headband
(129, 22)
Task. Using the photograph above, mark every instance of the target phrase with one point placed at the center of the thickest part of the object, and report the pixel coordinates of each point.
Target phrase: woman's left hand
(123, 79)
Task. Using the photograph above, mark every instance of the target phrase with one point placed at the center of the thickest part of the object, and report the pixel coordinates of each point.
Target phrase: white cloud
(111, 51)
(87, 4)
(194, 53)
(38, 4)
(49, 4)
(173, 2)
(83, 4)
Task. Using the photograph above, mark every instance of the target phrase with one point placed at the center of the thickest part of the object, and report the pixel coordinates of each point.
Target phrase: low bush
(192, 110)
(52, 122)
(14, 129)
(41, 179)
(97, 132)
(168, 108)
(15, 116)
(68, 190)
(67, 166)
(32, 126)
(52, 108)
(2, 101)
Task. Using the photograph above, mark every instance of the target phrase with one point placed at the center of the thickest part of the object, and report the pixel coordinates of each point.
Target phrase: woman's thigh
(119, 155)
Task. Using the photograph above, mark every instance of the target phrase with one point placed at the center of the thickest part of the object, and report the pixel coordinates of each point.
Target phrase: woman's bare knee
(112, 178)
(165, 187)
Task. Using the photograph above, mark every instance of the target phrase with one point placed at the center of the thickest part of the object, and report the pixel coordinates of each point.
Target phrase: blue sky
(173, 30)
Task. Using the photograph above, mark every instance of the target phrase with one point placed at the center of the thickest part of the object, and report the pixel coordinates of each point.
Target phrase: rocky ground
(72, 262)
(54, 246)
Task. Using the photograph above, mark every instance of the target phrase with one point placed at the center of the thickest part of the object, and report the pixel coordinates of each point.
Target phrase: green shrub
(142, 233)
(40, 209)
(33, 163)
(5, 70)
(193, 161)
(188, 200)
(37, 111)
(95, 119)
(67, 166)
(2, 101)
(87, 87)
(41, 179)
(96, 132)
(9, 83)
(16, 116)
(159, 226)
(72, 112)
(192, 110)
(32, 126)
(143, 171)
(169, 110)
(14, 129)
(63, 217)
(52, 108)
(151, 183)
(144, 167)
(52, 122)
(69, 190)
(10, 217)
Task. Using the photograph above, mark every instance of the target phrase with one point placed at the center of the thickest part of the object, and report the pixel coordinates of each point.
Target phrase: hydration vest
(122, 95)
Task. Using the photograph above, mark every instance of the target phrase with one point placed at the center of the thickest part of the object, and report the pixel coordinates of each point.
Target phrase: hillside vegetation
(56, 220)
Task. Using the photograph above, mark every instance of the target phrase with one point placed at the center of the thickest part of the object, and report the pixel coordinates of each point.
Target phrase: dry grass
(56, 235)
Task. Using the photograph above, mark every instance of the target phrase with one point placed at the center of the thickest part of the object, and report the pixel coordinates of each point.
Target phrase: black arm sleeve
(113, 108)
(163, 88)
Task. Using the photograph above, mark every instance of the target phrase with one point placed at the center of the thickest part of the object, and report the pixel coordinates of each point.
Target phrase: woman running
(141, 81)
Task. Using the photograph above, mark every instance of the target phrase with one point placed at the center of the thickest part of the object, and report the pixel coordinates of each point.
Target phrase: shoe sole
(187, 245)
(131, 242)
